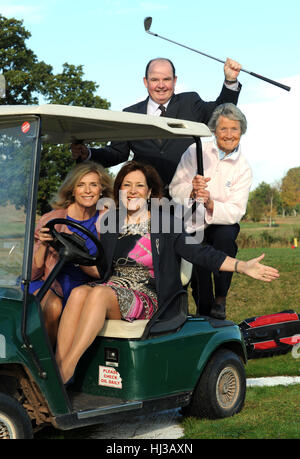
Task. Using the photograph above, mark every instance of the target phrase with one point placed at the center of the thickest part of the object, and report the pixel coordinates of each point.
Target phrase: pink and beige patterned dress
(133, 277)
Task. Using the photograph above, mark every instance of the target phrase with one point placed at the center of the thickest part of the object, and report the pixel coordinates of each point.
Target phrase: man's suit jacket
(164, 155)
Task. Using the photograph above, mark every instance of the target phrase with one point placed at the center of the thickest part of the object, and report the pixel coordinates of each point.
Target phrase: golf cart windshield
(17, 145)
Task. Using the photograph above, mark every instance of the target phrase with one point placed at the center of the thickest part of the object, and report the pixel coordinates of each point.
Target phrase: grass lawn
(269, 412)
(248, 298)
(282, 233)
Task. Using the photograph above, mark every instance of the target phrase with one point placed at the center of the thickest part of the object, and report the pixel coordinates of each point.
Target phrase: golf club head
(2, 86)
(147, 23)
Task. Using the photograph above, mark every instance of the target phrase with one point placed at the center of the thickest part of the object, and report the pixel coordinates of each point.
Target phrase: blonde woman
(75, 200)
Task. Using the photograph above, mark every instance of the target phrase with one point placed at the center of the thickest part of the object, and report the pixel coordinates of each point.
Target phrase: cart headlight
(111, 356)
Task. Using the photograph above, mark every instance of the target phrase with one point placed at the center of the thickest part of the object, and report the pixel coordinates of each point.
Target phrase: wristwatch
(230, 81)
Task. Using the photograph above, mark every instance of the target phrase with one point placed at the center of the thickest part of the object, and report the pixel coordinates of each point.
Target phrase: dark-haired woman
(143, 267)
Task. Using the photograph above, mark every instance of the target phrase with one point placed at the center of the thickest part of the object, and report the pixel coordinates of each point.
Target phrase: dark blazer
(167, 250)
(165, 155)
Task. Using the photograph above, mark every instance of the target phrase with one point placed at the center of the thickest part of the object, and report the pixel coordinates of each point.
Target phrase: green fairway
(249, 297)
(269, 413)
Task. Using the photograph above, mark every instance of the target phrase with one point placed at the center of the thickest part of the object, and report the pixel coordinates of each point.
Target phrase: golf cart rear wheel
(14, 421)
(221, 389)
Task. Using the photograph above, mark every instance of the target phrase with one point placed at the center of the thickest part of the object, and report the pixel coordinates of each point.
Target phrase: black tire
(14, 420)
(221, 390)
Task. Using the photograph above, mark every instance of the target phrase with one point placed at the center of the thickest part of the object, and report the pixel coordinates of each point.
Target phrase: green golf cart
(174, 360)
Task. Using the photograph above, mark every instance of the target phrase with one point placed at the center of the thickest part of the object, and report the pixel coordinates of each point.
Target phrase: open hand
(255, 269)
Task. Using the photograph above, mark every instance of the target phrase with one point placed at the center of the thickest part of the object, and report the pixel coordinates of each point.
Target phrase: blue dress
(72, 276)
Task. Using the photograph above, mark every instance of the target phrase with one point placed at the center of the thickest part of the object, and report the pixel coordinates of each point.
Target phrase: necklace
(135, 228)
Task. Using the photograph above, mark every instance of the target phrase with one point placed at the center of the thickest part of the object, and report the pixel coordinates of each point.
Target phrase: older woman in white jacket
(224, 191)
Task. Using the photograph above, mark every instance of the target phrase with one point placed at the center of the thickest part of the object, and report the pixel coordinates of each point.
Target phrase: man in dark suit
(160, 80)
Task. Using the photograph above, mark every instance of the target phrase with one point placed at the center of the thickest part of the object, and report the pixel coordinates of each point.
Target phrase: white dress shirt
(153, 107)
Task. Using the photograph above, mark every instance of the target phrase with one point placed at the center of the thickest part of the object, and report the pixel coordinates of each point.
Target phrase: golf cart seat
(165, 320)
(123, 329)
(185, 271)
(135, 329)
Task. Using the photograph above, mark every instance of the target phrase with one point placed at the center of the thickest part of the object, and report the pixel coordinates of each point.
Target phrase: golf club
(147, 25)
(2, 86)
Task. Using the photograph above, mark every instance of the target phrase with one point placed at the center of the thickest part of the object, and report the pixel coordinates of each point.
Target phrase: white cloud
(150, 6)
(32, 14)
(129, 8)
(271, 144)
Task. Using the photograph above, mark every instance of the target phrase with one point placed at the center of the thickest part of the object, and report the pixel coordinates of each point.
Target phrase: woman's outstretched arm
(252, 268)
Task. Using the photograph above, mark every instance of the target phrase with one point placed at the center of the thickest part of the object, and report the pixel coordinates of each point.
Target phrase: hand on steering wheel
(72, 246)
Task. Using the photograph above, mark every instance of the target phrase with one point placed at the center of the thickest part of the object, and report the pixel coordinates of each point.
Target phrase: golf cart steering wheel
(72, 246)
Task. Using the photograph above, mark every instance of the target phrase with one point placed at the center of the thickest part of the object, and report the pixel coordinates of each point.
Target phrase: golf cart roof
(66, 124)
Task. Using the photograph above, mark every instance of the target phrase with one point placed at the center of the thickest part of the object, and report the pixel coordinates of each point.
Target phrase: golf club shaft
(256, 75)
(2, 86)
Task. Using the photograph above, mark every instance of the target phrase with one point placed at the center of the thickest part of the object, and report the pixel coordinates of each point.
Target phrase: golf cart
(175, 360)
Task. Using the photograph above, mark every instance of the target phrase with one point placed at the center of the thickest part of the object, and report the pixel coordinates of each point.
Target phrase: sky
(108, 38)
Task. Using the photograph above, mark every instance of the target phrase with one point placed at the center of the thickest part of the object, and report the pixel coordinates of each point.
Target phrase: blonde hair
(64, 196)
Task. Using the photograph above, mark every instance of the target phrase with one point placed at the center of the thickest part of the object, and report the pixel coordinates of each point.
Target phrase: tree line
(28, 81)
(283, 198)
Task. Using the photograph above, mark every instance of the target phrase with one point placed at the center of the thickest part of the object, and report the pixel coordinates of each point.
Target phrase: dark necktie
(163, 113)
(162, 109)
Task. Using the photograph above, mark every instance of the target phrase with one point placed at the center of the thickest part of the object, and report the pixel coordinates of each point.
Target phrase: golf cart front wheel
(221, 389)
(14, 421)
